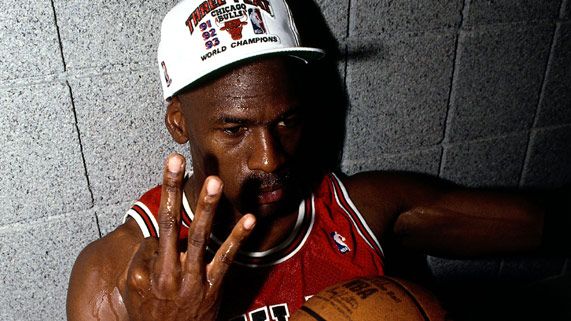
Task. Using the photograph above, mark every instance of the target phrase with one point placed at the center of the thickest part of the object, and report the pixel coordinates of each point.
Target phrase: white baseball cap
(199, 37)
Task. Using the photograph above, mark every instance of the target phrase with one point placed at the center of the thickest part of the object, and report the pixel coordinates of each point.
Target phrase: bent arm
(439, 218)
(471, 223)
(98, 276)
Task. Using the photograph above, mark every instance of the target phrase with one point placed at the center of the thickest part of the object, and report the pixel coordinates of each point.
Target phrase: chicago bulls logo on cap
(234, 27)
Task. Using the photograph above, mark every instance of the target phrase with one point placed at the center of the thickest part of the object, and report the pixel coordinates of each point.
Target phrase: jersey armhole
(344, 201)
(144, 218)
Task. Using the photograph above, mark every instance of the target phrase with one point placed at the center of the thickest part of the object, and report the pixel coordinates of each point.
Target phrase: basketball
(379, 298)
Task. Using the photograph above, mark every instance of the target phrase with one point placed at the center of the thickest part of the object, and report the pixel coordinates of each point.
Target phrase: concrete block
(555, 105)
(373, 17)
(335, 14)
(450, 270)
(530, 269)
(29, 44)
(492, 162)
(398, 86)
(110, 217)
(102, 33)
(549, 158)
(499, 75)
(41, 170)
(121, 119)
(424, 161)
(36, 263)
(482, 12)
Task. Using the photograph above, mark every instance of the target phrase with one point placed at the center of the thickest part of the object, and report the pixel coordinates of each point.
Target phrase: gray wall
(474, 91)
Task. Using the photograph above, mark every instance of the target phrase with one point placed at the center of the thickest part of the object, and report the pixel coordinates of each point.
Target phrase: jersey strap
(344, 201)
(145, 213)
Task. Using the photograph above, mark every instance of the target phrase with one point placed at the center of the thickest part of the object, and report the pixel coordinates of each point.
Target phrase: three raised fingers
(167, 262)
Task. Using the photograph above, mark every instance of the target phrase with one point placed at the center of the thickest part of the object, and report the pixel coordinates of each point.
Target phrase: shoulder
(381, 196)
(99, 273)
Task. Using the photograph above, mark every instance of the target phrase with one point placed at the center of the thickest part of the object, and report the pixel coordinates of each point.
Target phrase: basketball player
(255, 230)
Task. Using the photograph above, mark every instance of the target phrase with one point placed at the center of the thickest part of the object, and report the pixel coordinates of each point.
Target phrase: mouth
(270, 194)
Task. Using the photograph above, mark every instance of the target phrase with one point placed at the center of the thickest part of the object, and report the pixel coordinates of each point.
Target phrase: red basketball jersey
(331, 243)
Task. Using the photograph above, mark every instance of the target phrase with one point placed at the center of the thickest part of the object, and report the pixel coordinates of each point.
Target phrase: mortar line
(453, 79)
(58, 36)
(564, 5)
(81, 151)
(540, 98)
(564, 267)
(346, 58)
(345, 68)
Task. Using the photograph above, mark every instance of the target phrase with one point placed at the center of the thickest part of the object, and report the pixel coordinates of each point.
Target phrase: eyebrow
(231, 120)
(227, 119)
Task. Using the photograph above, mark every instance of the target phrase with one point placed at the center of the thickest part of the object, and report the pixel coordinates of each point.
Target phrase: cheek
(230, 165)
(291, 141)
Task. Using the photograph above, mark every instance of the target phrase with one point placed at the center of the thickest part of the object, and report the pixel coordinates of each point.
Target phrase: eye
(289, 122)
(233, 130)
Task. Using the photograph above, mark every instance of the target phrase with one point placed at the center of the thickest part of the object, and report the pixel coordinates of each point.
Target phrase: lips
(270, 195)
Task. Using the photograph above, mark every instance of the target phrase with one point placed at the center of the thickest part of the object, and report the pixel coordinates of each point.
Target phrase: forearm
(468, 223)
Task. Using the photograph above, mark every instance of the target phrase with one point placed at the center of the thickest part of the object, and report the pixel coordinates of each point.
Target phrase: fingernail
(249, 223)
(213, 187)
(174, 164)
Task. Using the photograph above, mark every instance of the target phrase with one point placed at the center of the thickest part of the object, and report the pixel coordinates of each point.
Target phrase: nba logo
(256, 20)
(340, 242)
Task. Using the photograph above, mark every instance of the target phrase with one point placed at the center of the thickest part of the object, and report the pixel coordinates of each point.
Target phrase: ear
(175, 121)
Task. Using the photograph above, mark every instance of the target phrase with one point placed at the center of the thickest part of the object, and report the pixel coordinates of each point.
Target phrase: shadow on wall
(324, 89)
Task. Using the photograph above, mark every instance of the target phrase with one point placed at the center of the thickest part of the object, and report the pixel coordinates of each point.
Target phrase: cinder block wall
(474, 91)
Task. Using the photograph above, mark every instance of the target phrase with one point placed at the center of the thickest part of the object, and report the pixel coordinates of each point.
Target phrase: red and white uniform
(330, 243)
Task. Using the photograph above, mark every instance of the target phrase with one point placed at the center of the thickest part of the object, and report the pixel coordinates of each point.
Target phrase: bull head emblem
(234, 26)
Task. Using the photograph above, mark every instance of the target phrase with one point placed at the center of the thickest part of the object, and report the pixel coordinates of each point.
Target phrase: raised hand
(166, 284)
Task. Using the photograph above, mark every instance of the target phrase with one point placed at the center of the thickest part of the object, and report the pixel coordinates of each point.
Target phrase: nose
(267, 154)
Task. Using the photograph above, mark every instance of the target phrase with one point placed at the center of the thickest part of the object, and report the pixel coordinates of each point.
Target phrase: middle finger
(199, 230)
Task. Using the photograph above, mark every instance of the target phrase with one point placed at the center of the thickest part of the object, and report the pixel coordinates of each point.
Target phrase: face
(245, 127)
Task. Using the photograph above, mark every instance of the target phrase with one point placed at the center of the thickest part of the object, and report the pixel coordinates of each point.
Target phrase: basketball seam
(312, 313)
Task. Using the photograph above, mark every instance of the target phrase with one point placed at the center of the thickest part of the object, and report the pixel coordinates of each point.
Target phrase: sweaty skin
(245, 129)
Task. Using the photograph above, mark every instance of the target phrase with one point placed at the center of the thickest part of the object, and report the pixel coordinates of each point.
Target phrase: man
(289, 228)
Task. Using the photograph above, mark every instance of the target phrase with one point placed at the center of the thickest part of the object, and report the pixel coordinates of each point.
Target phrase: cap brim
(306, 54)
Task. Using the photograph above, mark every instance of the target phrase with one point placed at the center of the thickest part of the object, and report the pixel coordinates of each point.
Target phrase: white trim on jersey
(187, 208)
(287, 242)
(140, 221)
(137, 217)
(305, 237)
(298, 225)
(295, 234)
(359, 215)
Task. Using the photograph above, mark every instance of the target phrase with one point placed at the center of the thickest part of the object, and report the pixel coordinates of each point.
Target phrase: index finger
(169, 212)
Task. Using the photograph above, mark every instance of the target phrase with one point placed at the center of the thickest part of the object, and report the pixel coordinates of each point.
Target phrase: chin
(272, 210)
(268, 211)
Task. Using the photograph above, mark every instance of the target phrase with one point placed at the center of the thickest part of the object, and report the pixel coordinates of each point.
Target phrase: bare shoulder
(381, 196)
(98, 277)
